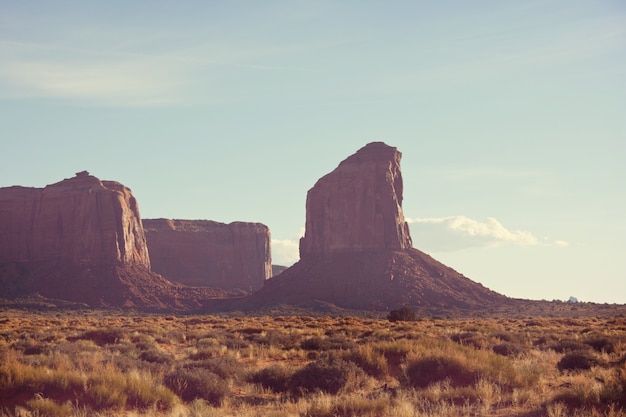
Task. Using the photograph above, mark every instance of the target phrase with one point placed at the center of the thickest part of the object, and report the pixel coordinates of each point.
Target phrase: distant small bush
(103, 337)
(275, 377)
(425, 371)
(577, 361)
(402, 314)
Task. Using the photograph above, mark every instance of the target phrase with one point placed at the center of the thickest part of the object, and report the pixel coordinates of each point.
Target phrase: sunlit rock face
(358, 206)
(82, 220)
(210, 254)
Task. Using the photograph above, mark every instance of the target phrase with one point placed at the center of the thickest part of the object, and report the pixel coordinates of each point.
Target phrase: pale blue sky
(511, 116)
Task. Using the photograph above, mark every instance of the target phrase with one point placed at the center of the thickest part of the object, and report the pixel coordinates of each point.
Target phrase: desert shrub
(328, 375)
(103, 337)
(430, 369)
(577, 361)
(190, 384)
(370, 360)
(396, 353)
(47, 407)
(507, 349)
(402, 314)
(315, 343)
(568, 345)
(506, 336)
(349, 407)
(155, 356)
(274, 377)
(277, 339)
(601, 344)
(226, 368)
(474, 339)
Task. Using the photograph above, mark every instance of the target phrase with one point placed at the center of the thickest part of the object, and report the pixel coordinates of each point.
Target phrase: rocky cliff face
(81, 220)
(82, 240)
(357, 252)
(358, 206)
(210, 254)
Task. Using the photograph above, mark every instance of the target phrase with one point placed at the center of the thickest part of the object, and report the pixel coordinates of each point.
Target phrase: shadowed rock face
(82, 240)
(358, 206)
(210, 254)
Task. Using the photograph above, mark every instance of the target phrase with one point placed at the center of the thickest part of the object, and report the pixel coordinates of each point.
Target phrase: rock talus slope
(357, 251)
(206, 253)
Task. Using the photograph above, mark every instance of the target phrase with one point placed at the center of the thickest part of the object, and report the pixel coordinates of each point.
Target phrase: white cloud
(285, 252)
(441, 234)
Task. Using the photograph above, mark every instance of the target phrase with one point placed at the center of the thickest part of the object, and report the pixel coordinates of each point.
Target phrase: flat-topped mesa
(206, 253)
(358, 206)
(81, 220)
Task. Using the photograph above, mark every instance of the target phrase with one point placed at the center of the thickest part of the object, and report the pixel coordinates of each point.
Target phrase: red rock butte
(82, 240)
(357, 251)
(358, 206)
(81, 220)
(205, 253)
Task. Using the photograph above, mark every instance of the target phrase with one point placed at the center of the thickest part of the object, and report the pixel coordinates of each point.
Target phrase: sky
(510, 115)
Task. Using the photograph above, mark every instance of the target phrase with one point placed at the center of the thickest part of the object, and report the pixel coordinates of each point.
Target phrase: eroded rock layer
(210, 254)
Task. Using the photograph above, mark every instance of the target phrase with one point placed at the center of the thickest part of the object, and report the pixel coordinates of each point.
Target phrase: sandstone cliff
(210, 254)
(358, 206)
(82, 240)
(357, 251)
(81, 220)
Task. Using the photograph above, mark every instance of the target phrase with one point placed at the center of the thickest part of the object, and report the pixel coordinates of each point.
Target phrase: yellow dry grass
(107, 364)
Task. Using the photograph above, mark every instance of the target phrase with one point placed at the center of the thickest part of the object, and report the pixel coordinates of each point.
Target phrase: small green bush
(402, 314)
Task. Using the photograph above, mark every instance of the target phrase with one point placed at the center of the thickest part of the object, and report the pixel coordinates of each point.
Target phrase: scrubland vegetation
(72, 363)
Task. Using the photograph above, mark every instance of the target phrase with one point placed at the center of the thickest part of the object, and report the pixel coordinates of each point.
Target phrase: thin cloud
(443, 234)
(114, 77)
(124, 83)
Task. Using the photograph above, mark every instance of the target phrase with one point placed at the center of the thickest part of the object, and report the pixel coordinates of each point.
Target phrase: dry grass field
(95, 363)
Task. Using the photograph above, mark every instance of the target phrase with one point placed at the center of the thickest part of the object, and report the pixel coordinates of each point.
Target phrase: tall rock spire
(358, 206)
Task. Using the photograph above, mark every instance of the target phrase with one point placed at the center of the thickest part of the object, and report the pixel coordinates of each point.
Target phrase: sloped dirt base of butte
(376, 280)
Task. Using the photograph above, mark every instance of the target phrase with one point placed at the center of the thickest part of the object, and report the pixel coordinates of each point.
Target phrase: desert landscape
(120, 363)
(363, 325)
